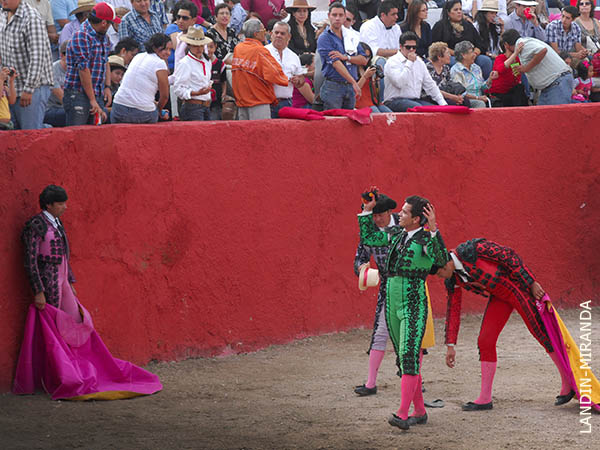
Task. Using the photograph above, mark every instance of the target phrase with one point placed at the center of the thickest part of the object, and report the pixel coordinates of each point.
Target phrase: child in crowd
(582, 85)
(117, 70)
(304, 96)
(192, 77)
(8, 96)
(219, 80)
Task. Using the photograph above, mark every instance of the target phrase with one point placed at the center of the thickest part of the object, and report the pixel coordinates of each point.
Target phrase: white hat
(526, 2)
(489, 6)
(367, 277)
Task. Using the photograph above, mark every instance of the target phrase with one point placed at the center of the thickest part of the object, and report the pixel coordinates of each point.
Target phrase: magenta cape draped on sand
(583, 381)
(69, 361)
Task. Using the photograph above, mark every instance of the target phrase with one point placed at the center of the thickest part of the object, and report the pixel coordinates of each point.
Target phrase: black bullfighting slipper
(562, 399)
(418, 420)
(470, 406)
(363, 391)
(396, 421)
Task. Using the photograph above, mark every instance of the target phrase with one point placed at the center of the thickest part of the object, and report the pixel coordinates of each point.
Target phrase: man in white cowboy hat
(81, 14)
(290, 64)
(527, 27)
(87, 82)
(24, 45)
(192, 77)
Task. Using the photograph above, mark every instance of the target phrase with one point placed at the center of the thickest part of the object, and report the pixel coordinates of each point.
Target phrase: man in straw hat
(526, 25)
(413, 251)
(87, 81)
(81, 14)
(254, 72)
(384, 218)
(193, 77)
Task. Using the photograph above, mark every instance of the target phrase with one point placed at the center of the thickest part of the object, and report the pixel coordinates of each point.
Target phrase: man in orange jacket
(254, 72)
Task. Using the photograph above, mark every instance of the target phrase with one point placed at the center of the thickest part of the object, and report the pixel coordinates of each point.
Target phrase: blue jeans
(337, 95)
(282, 103)
(125, 114)
(380, 109)
(559, 92)
(399, 104)
(56, 117)
(77, 107)
(31, 117)
(194, 112)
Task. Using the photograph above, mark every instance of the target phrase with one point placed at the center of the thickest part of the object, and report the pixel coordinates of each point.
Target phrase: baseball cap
(104, 11)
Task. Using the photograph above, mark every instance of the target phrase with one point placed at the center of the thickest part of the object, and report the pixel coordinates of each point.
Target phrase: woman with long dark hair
(416, 20)
(490, 27)
(453, 28)
(303, 38)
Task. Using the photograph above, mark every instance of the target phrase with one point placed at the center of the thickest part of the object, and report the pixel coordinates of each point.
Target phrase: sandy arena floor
(299, 396)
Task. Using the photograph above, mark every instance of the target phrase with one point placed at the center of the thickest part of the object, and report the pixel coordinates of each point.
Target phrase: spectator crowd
(77, 62)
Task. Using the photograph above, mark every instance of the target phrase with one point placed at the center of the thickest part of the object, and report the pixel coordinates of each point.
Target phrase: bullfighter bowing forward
(412, 253)
(384, 218)
(497, 272)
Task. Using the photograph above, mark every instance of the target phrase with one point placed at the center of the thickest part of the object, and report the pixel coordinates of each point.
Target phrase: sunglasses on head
(182, 17)
(410, 47)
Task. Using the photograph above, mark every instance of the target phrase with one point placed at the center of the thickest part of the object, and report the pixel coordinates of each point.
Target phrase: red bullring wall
(206, 239)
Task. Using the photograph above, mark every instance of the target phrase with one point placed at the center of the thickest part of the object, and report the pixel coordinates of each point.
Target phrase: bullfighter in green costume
(413, 252)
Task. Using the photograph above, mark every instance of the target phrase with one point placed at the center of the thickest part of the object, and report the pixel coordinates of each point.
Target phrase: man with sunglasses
(407, 76)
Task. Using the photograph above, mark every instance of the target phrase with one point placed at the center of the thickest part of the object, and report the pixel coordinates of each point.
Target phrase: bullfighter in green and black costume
(413, 251)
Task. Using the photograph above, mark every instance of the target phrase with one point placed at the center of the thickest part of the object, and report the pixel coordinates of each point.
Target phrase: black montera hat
(384, 203)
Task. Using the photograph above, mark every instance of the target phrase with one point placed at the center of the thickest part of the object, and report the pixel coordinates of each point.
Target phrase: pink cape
(568, 355)
(69, 361)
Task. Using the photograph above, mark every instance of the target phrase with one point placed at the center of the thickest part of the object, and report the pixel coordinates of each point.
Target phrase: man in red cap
(87, 81)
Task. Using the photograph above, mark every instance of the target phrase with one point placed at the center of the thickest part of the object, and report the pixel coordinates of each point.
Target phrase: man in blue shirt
(340, 55)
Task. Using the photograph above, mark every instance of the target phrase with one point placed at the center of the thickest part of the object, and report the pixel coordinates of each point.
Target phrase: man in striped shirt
(24, 45)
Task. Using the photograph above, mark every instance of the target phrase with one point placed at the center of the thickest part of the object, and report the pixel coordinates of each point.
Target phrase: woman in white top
(193, 77)
(146, 74)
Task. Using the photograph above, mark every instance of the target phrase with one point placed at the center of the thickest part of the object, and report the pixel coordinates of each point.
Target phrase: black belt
(555, 82)
(337, 82)
(281, 99)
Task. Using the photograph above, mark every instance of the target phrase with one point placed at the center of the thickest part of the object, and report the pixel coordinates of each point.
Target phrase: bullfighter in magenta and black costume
(495, 271)
(61, 352)
(412, 253)
(385, 219)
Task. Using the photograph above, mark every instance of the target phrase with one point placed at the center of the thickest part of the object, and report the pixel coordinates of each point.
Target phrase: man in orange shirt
(254, 72)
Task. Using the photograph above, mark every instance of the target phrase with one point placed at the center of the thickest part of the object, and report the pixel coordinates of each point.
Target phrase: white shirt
(548, 70)
(290, 63)
(140, 82)
(406, 79)
(53, 220)
(192, 74)
(374, 33)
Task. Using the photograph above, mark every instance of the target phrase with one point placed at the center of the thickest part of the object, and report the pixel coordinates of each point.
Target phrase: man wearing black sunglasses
(407, 76)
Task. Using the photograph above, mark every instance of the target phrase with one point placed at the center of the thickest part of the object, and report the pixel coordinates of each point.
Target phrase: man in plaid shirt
(145, 20)
(87, 81)
(24, 45)
(564, 35)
